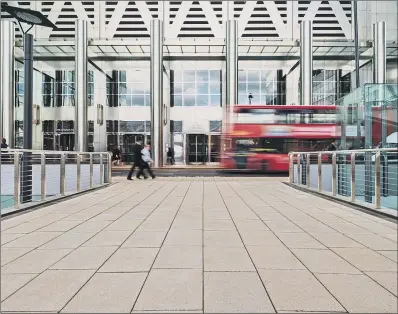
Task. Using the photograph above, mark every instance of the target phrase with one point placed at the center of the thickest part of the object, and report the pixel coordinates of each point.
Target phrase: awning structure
(209, 48)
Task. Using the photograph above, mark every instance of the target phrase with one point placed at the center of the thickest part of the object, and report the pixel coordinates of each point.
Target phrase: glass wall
(195, 88)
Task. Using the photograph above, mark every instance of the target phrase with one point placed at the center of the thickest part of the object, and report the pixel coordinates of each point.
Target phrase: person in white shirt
(146, 163)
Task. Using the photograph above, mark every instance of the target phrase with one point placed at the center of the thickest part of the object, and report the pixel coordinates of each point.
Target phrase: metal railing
(35, 176)
(365, 175)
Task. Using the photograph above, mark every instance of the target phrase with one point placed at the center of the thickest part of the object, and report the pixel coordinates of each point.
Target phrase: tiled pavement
(198, 245)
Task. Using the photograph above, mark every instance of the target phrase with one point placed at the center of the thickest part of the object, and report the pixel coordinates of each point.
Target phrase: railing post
(319, 172)
(109, 168)
(78, 172)
(307, 170)
(290, 167)
(91, 170)
(298, 168)
(43, 176)
(16, 180)
(353, 177)
(377, 181)
(101, 170)
(62, 175)
(334, 174)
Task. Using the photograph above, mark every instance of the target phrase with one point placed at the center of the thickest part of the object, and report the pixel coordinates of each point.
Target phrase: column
(231, 44)
(81, 78)
(379, 53)
(7, 82)
(306, 63)
(157, 92)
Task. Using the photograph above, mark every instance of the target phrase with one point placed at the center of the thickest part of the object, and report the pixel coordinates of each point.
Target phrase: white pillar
(156, 91)
(7, 82)
(81, 78)
(306, 62)
(231, 43)
(379, 53)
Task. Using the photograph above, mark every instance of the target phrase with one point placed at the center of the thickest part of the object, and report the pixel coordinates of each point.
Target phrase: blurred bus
(262, 136)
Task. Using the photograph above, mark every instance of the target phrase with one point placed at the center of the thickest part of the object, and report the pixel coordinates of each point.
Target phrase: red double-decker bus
(260, 137)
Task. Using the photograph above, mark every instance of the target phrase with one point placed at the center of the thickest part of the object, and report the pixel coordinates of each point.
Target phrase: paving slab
(107, 293)
(359, 293)
(227, 259)
(68, 240)
(299, 241)
(179, 257)
(273, 257)
(145, 239)
(392, 255)
(183, 237)
(260, 238)
(235, 292)
(10, 254)
(217, 238)
(33, 240)
(387, 279)
(108, 238)
(12, 282)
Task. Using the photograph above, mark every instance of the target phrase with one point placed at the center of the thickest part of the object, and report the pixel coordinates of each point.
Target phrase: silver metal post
(16, 180)
(156, 91)
(319, 172)
(62, 175)
(7, 82)
(291, 172)
(334, 190)
(377, 181)
(306, 62)
(379, 53)
(231, 56)
(101, 169)
(81, 79)
(43, 176)
(78, 172)
(298, 168)
(353, 177)
(307, 170)
(91, 170)
(109, 168)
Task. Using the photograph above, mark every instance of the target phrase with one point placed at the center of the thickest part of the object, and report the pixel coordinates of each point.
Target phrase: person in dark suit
(137, 147)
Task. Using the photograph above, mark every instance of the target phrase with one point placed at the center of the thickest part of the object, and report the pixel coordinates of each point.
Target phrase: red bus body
(255, 146)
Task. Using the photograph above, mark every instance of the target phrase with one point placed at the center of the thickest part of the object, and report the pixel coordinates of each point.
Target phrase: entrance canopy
(209, 48)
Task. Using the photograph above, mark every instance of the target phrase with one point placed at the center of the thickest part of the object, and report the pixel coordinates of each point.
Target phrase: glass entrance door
(197, 146)
(65, 142)
(215, 142)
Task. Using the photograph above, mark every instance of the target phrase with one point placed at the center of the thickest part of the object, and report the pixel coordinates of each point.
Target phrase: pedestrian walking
(137, 147)
(146, 162)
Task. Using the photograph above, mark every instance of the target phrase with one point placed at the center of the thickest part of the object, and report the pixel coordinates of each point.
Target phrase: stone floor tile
(50, 291)
(299, 241)
(324, 261)
(298, 290)
(218, 224)
(86, 258)
(359, 293)
(366, 259)
(8, 237)
(145, 239)
(374, 241)
(235, 292)
(336, 239)
(222, 239)
(217, 215)
(283, 226)
(35, 261)
(107, 293)
(91, 226)
(378, 228)
(179, 257)
(227, 259)
(186, 224)
(68, 240)
(273, 257)
(12, 282)
(392, 255)
(253, 225)
(261, 238)
(10, 254)
(190, 214)
(61, 225)
(155, 226)
(388, 280)
(124, 224)
(130, 260)
(33, 240)
(183, 237)
(108, 238)
(171, 290)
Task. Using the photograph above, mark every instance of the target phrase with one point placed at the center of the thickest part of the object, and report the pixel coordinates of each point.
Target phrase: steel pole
(26, 170)
(156, 92)
(306, 63)
(231, 45)
(356, 44)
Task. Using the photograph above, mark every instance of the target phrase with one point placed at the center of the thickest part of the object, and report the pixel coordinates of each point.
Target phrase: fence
(366, 175)
(29, 176)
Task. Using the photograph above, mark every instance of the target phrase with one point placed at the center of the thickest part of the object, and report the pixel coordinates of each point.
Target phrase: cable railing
(367, 176)
(31, 176)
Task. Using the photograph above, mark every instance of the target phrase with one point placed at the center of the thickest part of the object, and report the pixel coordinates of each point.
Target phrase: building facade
(206, 56)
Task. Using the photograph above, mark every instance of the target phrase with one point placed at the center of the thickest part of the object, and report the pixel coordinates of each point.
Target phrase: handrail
(369, 175)
(30, 174)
